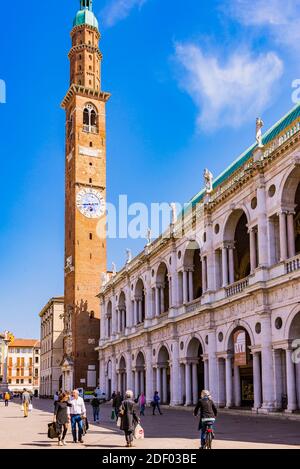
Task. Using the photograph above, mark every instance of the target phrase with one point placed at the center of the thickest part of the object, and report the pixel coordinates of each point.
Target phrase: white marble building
(216, 304)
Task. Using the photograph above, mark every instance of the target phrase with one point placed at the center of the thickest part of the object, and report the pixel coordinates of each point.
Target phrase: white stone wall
(190, 344)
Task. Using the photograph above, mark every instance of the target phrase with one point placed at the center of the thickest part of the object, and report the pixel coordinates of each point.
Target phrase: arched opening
(289, 218)
(242, 384)
(140, 302)
(90, 118)
(162, 299)
(193, 271)
(122, 376)
(139, 375)
(194, 372)
(121, 313)
(236, 250)
(163, 378)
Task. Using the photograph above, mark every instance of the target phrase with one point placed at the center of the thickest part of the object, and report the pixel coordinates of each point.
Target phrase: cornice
(79, 90)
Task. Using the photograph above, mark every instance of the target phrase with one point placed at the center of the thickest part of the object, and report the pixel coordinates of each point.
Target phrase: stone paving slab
(173, 430)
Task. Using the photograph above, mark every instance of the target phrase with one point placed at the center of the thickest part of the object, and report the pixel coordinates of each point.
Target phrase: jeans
(156, 405)
(96, 413)
(142, 409)
(204, 426)
(76, 420)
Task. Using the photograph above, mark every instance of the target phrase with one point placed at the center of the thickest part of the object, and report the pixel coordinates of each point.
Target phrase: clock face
(90, 203)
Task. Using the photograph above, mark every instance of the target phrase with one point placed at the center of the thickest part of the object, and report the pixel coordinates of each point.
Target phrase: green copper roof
(85, 15)
(273, 132)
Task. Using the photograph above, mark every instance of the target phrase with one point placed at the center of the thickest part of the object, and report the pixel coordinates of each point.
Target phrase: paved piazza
(174, 430)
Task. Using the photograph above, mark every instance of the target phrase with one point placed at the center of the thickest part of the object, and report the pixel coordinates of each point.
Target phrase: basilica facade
(214, 302)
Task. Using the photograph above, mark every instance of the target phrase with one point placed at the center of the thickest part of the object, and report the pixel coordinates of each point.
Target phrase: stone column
(157, 302)
(283, 236)
(224, 266)
(114, 324)
(195, 383)
(188, 387)
(204, 274)
(142, 381)
(291, 235)
(162, 299)
(231, 264)
(113, 374)
(149, 375)
(206, 374)
(175, 375)
(267, 363)
(221, 383)
(102, 380)
(135, 321)
(256, 380)
(253, 261)
(129, 368)
(191, 285)
(185, 287)
(228, 366)
(165, 386)
(103, 320)
(291, 381)
(136, 383)
(212, 363)
(158, 381)
(237, 387)
(263, 240)
(278, 378)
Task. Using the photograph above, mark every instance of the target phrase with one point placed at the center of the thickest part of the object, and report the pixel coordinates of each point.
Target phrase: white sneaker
(64, 443)
(60, 443)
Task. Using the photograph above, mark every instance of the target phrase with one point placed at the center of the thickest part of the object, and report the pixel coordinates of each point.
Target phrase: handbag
(119, 422)
(22, 407)
(139, 433)
(52, 430)
(30, 407)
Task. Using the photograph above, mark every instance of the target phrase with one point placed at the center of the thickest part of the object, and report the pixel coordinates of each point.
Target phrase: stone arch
(140, 298)
(193, 265)
(289, 186)
(237, 242)
(122, 375)
(244, 325)
(163, 376)
(163, 289)
(290, 202)
(121, 312)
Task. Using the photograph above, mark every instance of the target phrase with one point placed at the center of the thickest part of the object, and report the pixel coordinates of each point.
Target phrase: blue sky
(187, 80)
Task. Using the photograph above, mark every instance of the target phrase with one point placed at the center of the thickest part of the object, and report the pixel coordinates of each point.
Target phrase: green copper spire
(85, 15)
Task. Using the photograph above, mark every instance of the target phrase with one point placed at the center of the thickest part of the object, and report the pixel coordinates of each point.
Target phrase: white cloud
(281, 17)
(117, 10)
(230, 93)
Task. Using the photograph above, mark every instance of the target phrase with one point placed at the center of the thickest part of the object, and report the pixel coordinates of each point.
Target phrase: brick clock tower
(85, 195)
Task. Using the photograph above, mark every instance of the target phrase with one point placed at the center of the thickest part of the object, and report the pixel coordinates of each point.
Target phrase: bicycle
(208, 435)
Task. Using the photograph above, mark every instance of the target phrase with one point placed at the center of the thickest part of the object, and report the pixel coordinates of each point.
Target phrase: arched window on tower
(90, 119)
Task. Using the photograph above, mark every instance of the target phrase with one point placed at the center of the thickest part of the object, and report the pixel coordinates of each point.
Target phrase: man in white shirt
(77, 411)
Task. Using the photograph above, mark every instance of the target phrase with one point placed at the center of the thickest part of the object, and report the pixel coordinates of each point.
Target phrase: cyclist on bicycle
(208, 413)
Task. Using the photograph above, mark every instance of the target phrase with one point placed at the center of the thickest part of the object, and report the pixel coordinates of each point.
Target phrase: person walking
(95, 403)
(62, 417)
(117, 401)
(155, 403)
(129, 418)
(77, 412)
(208, 413)
(26, 400)
(6, 398)
(142, 404)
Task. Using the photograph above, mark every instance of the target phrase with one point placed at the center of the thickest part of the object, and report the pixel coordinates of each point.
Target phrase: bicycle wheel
(208, 442)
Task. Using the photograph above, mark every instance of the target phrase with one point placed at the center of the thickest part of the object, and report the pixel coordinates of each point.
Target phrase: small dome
(85, 17)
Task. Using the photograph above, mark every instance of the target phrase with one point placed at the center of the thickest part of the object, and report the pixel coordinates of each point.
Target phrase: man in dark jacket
(208, 413)
(117, 401)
